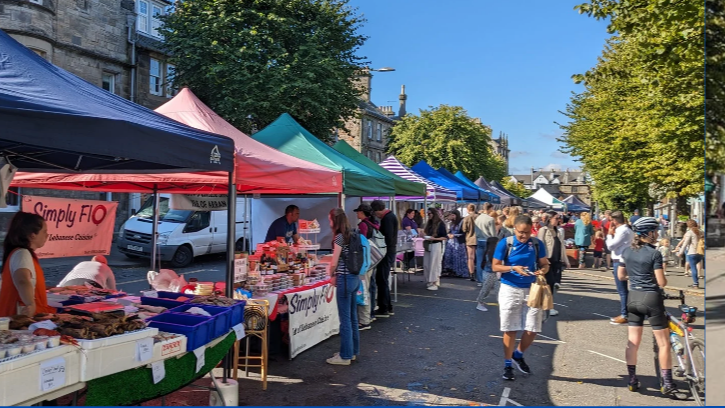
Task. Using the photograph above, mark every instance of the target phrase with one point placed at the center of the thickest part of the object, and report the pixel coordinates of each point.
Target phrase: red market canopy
(259, 168)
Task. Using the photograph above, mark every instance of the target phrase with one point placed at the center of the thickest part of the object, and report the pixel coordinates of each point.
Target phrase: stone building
(559, 184)
(499, 146)
(368, 131)
(113, 44)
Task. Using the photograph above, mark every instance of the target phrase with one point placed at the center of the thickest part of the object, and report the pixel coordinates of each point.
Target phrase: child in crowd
(598, 248)
(664, 247)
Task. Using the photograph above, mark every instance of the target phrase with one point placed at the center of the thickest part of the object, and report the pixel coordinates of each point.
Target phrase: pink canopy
(258, 167)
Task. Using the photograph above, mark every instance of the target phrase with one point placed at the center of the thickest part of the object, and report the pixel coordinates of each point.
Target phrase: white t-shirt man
(95, 270)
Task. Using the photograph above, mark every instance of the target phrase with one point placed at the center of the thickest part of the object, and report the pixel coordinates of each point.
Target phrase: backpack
(510, 246)
(358, 253)
(701, 246)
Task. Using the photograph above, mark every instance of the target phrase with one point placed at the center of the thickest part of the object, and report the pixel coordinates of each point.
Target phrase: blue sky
(509, 63)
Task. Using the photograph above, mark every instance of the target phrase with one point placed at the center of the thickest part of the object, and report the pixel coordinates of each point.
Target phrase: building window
(147, 17)
(156, 11)
(108, 82)
(170, 91)
(369, 128)
(379, 132)
(142, 16)
(379, 156)
(155, 77)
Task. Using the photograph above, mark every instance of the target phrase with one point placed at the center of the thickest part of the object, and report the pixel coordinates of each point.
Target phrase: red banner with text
(75, 227)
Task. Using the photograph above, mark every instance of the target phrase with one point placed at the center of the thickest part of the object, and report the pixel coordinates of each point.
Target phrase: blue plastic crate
(221, 316)
(166, 299)
(197, 329)
(237, 315)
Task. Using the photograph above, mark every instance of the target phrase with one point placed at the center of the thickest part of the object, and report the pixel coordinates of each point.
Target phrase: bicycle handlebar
(680, 297)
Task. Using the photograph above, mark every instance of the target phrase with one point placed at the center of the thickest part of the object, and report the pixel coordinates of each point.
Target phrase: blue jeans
(693, 260)
(622, 288)
(480, 254)
(346, 288)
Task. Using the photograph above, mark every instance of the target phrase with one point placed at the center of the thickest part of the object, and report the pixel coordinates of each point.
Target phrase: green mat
(135, 386)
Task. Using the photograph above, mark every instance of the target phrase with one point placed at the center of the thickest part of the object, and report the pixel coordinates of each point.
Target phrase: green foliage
(638, 125)
(447, 137)
(517, 189)
(251, 61)
(715, 85)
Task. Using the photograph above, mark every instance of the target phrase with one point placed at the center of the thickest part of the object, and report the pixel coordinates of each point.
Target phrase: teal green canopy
(402, 186)
(288, 136)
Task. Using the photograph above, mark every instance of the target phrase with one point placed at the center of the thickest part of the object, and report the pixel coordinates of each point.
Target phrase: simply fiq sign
(312, 317)
(75, 227)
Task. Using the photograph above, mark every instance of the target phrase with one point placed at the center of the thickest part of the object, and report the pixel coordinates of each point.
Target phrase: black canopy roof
(53, 121)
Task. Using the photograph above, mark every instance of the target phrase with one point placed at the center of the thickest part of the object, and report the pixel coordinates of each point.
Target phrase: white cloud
(559, 155)
(558, 167)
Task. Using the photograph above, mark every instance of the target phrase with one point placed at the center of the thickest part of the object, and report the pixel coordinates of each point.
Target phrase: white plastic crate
(20, 378)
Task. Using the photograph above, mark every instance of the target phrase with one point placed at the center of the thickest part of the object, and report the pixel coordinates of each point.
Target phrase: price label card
(144, 349)
(239, 331)
(158, 371)
(200, 357)
(52, 374)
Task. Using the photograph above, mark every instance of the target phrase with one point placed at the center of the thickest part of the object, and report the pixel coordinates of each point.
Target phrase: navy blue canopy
(486, 194)
(53, 121)
(574, 204)
(506, 197)
(463, 192)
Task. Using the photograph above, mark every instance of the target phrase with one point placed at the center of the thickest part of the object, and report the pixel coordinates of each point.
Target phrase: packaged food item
(27, 346)
(3, 352)
(53, 341)
(41, 342)
(4, 323)
(14, 349)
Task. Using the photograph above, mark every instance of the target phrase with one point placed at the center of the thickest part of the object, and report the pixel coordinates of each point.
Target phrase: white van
(183, 234)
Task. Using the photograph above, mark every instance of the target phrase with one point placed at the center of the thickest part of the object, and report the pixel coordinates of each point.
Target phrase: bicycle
(691, 356)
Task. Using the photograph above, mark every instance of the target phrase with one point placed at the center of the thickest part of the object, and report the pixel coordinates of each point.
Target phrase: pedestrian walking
(519, 259)
(583, 231)
(367, 225)
(553, 240)
(455, 261)
(435, 236)
(346, 285)
(468, 227)
(485, 225)
(691, 242)
(605, 224)
(619, 237)
(642, 265)
(634, 217)
(389, 229)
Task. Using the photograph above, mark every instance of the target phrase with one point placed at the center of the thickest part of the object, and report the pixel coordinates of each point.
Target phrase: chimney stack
(402, 98)
(364, 81)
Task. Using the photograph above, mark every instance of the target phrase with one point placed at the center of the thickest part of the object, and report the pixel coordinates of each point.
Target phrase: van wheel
(183, 257)
(241, 245)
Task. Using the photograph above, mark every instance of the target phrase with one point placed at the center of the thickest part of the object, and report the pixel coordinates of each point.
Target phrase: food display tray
(20, 377)
(197, 329)
(222, 317)
(118, 338)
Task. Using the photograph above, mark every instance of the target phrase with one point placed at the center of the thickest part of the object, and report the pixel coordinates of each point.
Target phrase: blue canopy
(574, 204)
(463, 192)
(51, 120)
(489, 196)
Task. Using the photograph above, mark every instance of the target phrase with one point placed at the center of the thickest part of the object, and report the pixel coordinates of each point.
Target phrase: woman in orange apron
(22, 289)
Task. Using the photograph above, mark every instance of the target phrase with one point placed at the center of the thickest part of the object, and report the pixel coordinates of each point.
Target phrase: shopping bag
(536, 293)
(547, 301)
(363, 295)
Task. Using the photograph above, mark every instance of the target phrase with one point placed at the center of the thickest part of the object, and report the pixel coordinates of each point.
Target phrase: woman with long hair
(583, 231)
(553, 238)
(23, 282)
(509, 223)
(690, 242)
(346, 285)
(642, 265)
(455, 259)
(435, 235)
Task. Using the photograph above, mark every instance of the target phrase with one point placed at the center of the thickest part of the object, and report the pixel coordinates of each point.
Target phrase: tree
(638, 125)
(715, 85)
(251, 61)
(445, 136)
(518, 189)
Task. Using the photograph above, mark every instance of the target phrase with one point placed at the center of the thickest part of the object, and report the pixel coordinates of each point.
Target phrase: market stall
(463, 192)
(434, 192)
(491, 196)
(507, 198)
(574, 204)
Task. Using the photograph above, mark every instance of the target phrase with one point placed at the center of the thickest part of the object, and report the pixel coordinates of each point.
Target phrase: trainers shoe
(362, 327)
(481, 307)
(438, 282)
(634, 386)
(668, 389)
(354, 357)
(508, 374)
(694, 286)
(379, 314)
(432, 287)
(337, 360)
(553, 312)
(557, 286)
(521, 365)
(479, 284)
(619, 320)
(390, 313)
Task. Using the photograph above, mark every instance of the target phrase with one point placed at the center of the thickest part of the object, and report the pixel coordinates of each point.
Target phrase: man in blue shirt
(518, 267)
(285, 226)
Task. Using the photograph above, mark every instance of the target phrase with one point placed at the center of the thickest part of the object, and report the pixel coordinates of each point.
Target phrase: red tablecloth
(274, 303)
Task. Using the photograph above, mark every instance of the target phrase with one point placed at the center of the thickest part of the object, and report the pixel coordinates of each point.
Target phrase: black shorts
(597, 254)
(607, 251)
(649, 305)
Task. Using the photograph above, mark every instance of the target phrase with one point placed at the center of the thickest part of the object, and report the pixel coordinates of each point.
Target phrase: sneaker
(354, 357)
(619, 321)
(362, 327)
(438, 282)
(557, 286)
(634, 386)
(379, 314)
(694, 286)
(390, 312)
(508, 374)
(481, 307)
(337, 360)
(521, 365)
(553, 312)
(472, 279)
(432, 287)
(668, 390)
(479, 284)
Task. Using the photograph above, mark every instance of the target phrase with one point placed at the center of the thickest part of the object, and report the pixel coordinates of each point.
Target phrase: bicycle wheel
(697, 387)
(658, 372)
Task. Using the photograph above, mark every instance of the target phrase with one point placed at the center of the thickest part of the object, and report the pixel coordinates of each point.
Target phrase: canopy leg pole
(231, 243)
(155, 229)
(341, 197)
(247, 220)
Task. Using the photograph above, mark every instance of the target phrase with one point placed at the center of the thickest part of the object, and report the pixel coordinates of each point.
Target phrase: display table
(273, 298)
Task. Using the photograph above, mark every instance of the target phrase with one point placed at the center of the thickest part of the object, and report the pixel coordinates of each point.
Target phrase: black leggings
(649, 305)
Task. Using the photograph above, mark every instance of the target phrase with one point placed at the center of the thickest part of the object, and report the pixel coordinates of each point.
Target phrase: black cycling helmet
(645, 225)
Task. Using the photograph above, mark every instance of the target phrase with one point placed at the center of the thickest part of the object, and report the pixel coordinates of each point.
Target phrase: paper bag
(536, 294)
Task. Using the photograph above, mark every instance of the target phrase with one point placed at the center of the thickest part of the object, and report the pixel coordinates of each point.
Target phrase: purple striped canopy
(434, 191)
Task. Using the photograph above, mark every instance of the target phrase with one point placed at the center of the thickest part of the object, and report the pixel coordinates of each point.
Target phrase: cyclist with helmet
(642, 265)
